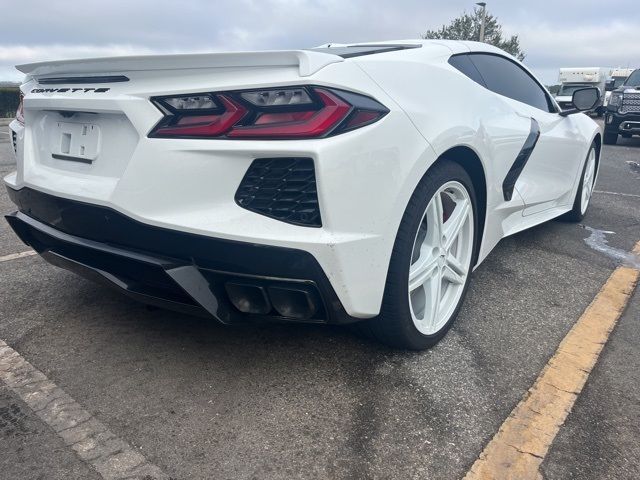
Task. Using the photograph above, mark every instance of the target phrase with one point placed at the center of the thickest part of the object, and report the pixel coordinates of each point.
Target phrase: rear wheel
(431, 261)
(585, 189)
(610, 138)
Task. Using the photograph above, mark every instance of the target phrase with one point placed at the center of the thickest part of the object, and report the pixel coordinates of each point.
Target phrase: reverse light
(280, 113)
(191, 103)
(285, 96)
(201, 122)
(20, 111)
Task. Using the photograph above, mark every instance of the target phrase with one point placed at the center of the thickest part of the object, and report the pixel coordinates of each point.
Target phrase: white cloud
(33, 53)
(577, 34)
(550, 48)
(16, 55)
(601, 45)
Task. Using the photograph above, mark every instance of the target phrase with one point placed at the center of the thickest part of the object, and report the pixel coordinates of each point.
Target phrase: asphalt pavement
(201, 400)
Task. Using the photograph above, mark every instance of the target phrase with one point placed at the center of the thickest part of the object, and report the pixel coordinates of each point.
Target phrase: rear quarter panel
(451, 110)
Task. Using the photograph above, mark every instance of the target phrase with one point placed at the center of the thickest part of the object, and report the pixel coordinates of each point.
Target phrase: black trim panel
(81, 80)
(510, 180)
(144, 259)
(71, 158)
(362, 50)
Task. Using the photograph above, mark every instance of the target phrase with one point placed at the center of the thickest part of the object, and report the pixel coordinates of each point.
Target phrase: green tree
(467, 27)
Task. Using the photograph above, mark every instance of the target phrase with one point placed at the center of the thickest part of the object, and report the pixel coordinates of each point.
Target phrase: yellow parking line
(522, 442)
(14, 256)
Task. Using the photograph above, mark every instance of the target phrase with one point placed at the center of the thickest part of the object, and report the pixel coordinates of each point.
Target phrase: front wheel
(431, 261)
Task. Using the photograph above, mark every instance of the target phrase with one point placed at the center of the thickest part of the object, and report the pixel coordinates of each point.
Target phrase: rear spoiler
(308, 62)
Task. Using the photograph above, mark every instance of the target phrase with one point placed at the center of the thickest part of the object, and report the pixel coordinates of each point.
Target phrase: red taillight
(286, 113)
(316, 124)
(20, 111)
(361, 118)
(208, 125)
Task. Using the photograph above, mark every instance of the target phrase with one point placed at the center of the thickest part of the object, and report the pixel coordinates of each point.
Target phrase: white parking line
(13, 256)
(110, 456)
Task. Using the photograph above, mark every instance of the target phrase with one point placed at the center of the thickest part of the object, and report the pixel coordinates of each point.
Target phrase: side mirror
(609, 86)
(586, 98)
(583, 100)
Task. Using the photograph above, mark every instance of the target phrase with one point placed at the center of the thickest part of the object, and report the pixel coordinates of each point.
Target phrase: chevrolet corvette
(341, 184)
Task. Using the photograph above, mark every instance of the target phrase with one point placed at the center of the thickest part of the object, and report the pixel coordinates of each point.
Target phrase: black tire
(394, 326)
(610, 138)
(576, 215)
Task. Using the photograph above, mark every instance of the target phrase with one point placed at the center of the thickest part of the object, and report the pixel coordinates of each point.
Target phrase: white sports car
(341, 184)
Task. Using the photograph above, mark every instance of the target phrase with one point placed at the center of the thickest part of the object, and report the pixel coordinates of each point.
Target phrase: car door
(545, 172)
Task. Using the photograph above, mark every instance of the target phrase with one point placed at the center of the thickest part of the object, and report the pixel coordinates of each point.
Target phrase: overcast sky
(553, 34)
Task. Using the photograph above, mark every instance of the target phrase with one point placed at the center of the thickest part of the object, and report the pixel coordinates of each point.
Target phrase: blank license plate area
(75, 142)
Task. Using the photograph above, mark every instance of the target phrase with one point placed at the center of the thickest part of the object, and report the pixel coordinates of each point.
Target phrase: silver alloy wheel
(441, 257)
(588, 181)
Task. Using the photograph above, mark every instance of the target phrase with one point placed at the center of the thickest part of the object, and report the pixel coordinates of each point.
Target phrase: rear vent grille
(281, 188)
(14, 141)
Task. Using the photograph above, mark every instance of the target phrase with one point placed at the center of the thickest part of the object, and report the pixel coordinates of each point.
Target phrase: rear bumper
(173, 269)
(364, 179)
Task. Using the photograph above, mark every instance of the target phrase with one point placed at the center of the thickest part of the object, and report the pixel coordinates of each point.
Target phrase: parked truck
(623, 110)
(572, 79)
(618, 76)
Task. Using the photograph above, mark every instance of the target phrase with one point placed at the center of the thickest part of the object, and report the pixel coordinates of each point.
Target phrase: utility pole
(482, 5)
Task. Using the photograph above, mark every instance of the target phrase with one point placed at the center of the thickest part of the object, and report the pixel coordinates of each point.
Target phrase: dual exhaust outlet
(299, 303)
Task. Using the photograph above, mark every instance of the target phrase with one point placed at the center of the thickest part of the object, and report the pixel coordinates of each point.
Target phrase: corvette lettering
(70, 90)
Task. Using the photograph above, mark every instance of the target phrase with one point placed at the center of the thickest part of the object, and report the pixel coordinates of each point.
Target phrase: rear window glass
(466, 66)
(505, 77)
(360, 50)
